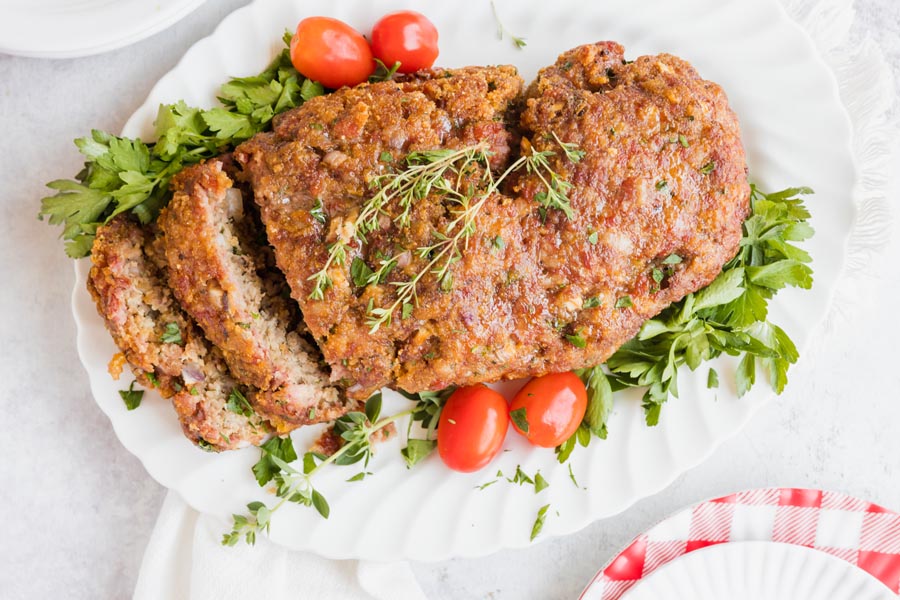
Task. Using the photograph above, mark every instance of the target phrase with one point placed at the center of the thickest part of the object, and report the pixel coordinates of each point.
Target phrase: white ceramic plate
(759, 571)
(70, 28)
(795, 132)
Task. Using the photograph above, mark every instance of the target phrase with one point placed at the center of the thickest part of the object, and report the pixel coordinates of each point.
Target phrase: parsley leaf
(591, 302)
(520, 418)
(238, 404)
(266, 468)
(416, 450)
(171, 335)
(131, 397)
(539, 521)
(577, 340)
(360, 272)
(600, 400)
(624, 302)
(728, 316)
(712, 379)
(127, 175)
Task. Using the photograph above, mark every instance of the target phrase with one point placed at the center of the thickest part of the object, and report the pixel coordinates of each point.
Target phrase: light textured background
(78, 509)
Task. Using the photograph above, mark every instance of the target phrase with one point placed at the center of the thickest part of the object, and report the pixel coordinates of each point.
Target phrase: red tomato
(408, 37)
(331, 52)
(472, 428)
(554, 407)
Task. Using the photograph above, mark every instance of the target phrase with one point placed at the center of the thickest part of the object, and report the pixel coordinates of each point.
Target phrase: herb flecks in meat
(463, 178)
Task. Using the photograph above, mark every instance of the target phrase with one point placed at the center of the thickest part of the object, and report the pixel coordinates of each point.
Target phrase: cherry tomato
(472, 427)
(408, 37)
(331, 52)
(554, 407)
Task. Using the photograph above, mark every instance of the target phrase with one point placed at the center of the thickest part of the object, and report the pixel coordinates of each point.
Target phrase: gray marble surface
(79, 509)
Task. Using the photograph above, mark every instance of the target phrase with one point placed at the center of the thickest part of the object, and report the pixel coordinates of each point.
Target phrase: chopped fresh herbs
(318, 211)
(355, 430)
(672, 259)
(593, 238)
(712, 379)
(593, 302)
(360, 476)
(540, 484)
(131, 397)
(572, 477)
(657, 275)
(624, 302)
(520, 418)
(386, 157)
(573, 153)
(498, 243)
(127, 175)
(360, 272)
(683, 141)
(520, 477)
(172, 334)
(238, 404)
(577, 340)
(151, 377)
(708, 167)
(539, 521)
(661, 185)
(519, 42)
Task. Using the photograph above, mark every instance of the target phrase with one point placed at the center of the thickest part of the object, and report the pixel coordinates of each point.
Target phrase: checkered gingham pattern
(862, 533)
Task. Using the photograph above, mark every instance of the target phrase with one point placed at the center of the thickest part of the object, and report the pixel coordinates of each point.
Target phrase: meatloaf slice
(221, 270)
(163, 346)
(663, 176)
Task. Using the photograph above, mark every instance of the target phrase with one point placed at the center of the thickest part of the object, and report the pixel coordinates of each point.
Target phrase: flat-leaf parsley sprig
(123, 174)
(729, 316)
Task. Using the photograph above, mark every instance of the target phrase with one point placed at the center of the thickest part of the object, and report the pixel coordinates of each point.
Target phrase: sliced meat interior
(221, 271)
(163, 346)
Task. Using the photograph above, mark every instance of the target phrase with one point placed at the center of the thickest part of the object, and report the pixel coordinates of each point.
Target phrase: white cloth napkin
(185, 560)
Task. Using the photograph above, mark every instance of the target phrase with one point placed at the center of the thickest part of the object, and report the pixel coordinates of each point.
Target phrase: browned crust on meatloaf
(221, 272)
(328, 152)
(128, 283)
(512, 311)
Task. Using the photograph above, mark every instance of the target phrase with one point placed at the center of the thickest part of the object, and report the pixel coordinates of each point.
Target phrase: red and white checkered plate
(859, 532)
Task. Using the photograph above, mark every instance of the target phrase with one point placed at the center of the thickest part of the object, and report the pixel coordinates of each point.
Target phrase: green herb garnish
(539, 521)
(131, 397)
(238, 403)
(171, 335)
(520, 418)
(127, 175)
(519, 42)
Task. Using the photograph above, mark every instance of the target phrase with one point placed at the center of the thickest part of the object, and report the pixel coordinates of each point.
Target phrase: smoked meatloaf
(663, 175)
(648, 154)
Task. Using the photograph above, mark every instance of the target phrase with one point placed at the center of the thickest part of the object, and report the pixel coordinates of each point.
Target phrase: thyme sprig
(426, 171)
(462, 177)
(518, 41)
